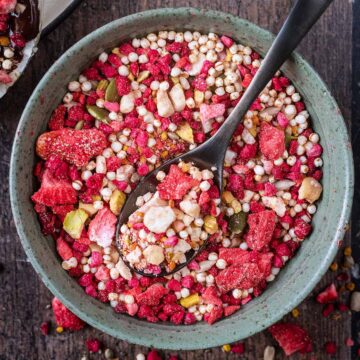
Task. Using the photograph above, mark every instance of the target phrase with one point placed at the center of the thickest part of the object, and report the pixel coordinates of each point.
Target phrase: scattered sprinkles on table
(153, 98)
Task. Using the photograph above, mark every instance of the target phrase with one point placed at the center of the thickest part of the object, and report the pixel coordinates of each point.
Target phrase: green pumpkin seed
(237, 222)
(111, 93)
(98, 113)
(102, 85)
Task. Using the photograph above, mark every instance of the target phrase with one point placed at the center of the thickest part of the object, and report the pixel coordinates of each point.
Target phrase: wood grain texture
(23, 297)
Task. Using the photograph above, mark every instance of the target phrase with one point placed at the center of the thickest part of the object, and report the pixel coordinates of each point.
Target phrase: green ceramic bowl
(294, 282)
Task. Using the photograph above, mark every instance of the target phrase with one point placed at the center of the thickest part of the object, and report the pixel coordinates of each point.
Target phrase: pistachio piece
(154, 254)
(310, 190)
(164, 105)
(97, 113)
(117, 201)
(111, 93)
(237, 222)
(185, 132)
(74, 222)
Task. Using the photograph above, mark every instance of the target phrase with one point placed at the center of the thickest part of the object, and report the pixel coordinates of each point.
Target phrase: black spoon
(212, 153)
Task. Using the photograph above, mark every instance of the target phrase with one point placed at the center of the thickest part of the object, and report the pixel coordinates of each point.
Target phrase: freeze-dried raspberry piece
(236, 185)
(272, 141)
(211, 111)
(123, 85)
(302, 228)
(262, 225)
(227, 41)
(126, 49)
(291, 337)
(65, 318)
(176, 184)
(5, 78)
(199, 83)
(54, 191)
(247, 274)
(328, 295)
(152, 295)
(248, 151)
(93, 345)
(102, 227)
(57, 118)
(7, 6)
(75, 146)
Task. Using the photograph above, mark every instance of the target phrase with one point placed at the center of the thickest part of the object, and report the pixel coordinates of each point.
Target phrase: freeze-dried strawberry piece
(272, 141)
(152, 295)
(102, 227)
(247, 274)
(58, 168)
(123, 85)
(63, 249)
(234, 255)
(210, 296)
(64, 317)
(211, 111)
(7, 6)
(215, 315)
(291, 337)
(54, 191)
(62, 210)
(75, 146)
(262, 225)
(176, 184)
(231, 309)
(57, 118)
(5, 78)
(328, 295)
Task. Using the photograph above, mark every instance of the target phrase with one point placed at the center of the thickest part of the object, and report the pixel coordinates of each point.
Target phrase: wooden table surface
(24, 299)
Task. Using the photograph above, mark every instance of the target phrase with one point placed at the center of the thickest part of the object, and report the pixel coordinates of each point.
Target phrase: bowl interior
(293, 283)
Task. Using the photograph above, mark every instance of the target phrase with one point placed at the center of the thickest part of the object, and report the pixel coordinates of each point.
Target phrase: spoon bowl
(201, 159)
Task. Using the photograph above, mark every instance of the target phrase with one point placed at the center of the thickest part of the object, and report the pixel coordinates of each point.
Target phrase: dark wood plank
(24, 299)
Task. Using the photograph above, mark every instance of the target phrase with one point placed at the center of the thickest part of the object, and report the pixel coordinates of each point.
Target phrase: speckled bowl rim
(263, 311)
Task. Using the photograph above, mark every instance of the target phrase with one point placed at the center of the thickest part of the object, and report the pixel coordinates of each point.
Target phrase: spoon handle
(299, 21)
